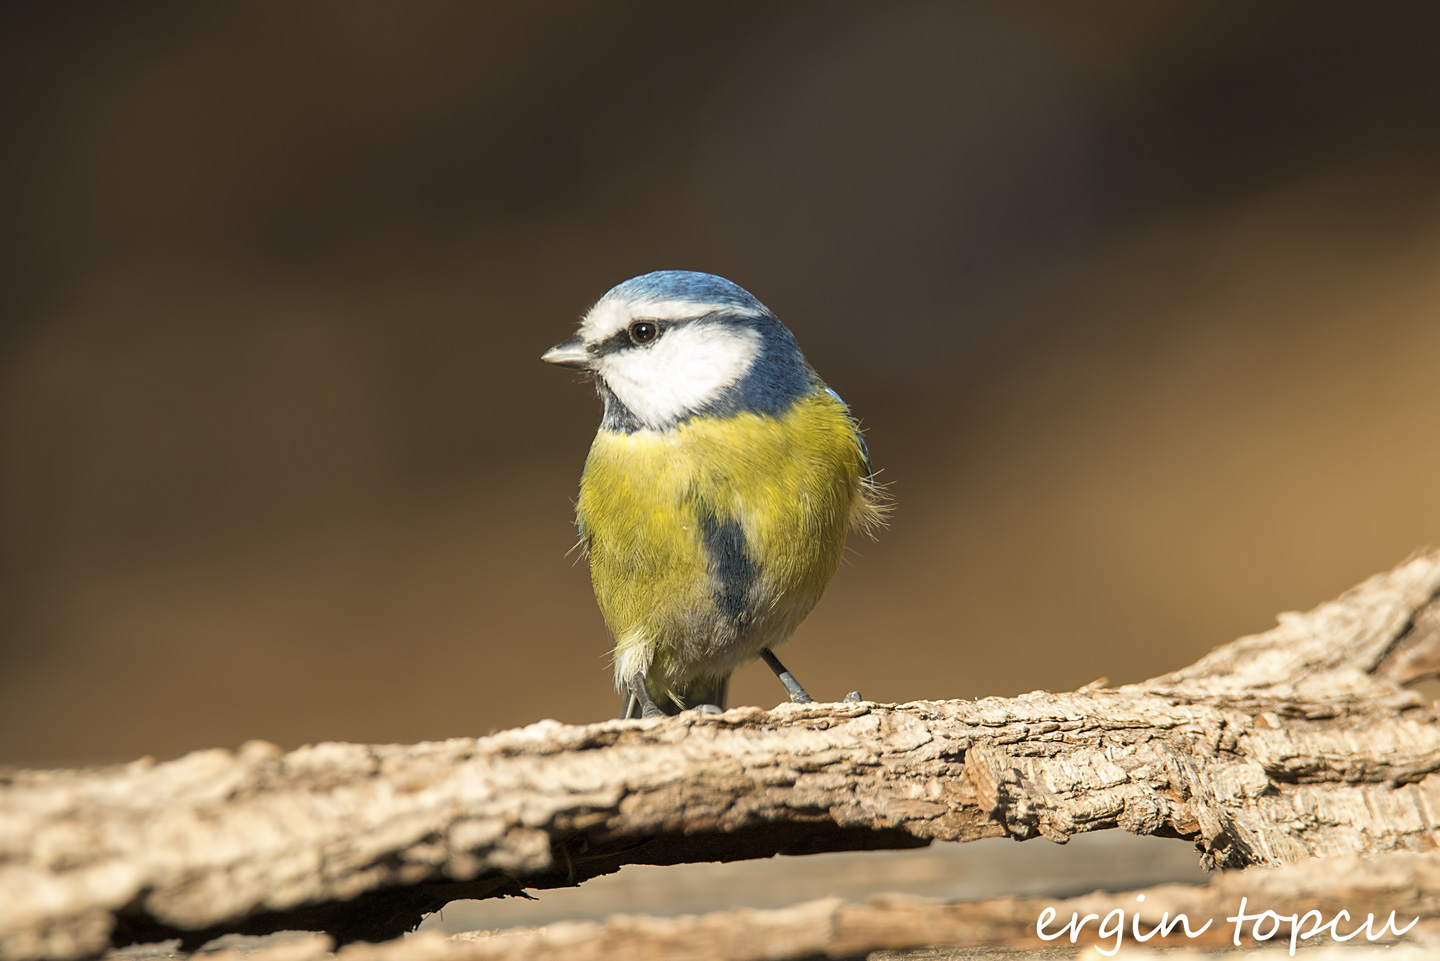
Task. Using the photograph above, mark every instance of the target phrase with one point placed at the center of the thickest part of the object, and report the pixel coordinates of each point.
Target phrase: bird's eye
(643, 331)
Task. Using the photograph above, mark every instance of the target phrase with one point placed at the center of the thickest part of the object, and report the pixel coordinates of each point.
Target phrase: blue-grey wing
(859, 437)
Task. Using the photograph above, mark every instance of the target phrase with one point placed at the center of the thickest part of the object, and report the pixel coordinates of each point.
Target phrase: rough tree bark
(1378, 897)
(1296, 743)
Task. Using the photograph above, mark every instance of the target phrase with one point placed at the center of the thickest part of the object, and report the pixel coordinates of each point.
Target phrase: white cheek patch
(686, 368)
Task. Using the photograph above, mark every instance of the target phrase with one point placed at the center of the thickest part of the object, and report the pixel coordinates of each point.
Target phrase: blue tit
(719, 489)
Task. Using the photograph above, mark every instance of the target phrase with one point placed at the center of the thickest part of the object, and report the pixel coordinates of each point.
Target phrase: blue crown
(688, 286)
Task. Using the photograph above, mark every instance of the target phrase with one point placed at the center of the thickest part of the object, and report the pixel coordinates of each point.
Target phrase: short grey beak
(572, 353)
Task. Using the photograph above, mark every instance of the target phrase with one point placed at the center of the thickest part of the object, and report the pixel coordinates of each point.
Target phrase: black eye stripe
(622, 339)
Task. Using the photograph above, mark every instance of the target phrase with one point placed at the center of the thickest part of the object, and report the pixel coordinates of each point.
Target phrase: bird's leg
(639, 697)
(792, 686)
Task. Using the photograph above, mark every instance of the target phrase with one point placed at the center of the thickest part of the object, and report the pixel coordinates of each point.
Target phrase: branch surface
(1406, 884)
(1286, 745)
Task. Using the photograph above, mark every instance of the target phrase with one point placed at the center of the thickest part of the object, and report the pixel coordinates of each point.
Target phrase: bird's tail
(709, 691)
(713, 691)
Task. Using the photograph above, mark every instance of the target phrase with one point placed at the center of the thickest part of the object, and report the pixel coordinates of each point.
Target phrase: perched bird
(719, 489)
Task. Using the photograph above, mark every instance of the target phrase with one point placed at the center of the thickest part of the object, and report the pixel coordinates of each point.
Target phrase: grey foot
(792, 686)
(852, 698)
(709, 709)
(638, 702)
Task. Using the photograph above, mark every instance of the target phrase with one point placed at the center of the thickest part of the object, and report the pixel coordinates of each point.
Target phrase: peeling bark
(1287, 745)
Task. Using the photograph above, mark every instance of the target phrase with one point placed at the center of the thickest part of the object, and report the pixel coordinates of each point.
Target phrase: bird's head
(673, 344)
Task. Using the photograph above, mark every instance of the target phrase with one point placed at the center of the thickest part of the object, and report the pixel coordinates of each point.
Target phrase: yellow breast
(714, 539)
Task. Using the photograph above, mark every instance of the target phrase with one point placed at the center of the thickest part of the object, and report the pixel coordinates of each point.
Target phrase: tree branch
(1406, 884)
(1290, 744)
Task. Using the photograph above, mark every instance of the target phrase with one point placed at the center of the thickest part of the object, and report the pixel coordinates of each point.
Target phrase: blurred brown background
(1140, 304)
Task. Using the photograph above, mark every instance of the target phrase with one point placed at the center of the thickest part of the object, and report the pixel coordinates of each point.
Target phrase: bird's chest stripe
(728, 558)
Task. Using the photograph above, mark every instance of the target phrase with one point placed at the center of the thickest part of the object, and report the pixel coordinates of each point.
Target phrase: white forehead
(616, 310)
